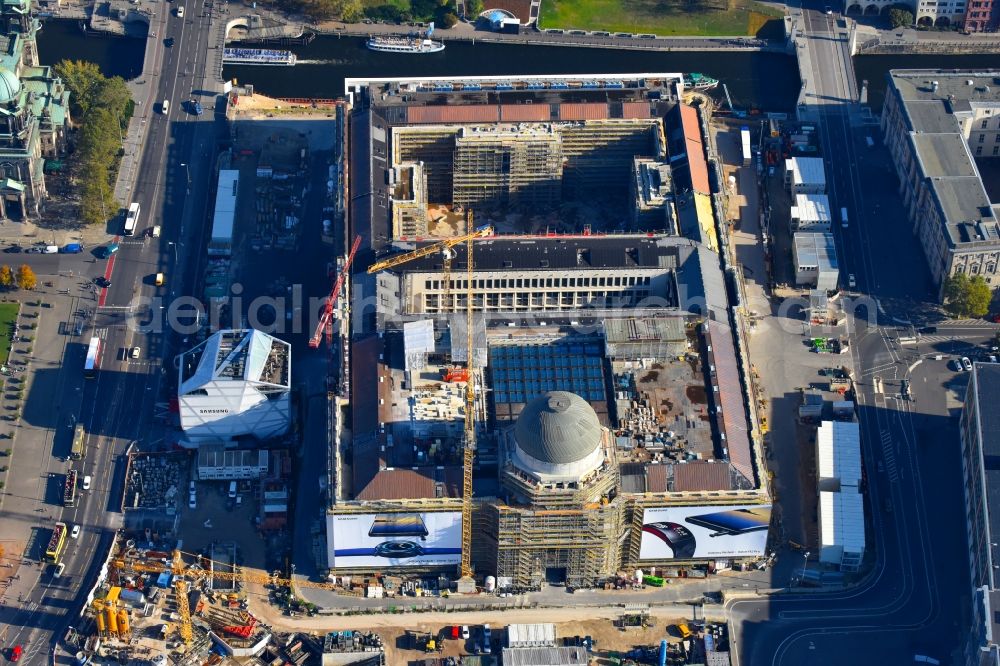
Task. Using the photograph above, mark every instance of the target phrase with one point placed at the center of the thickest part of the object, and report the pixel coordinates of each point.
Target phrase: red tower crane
(325, 320)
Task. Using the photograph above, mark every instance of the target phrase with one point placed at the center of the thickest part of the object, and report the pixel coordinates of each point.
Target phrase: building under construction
(604, 398)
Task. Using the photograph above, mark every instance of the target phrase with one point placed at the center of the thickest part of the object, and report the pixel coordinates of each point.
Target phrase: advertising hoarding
(703, 532)
(396, 539)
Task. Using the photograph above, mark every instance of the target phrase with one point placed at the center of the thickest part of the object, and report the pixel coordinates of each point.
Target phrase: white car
(191, 487)
(180, 12)
(465, 632)
(851, 282)
(76, 532)
(192, 501)
(135, 352)
(966, 365)
(86, 483)
(59, 570)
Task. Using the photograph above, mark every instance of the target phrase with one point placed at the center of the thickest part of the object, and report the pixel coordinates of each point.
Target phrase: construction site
(539, 398)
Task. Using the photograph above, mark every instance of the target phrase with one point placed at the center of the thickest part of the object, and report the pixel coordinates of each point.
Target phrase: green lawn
(8, 315)
(660, 17)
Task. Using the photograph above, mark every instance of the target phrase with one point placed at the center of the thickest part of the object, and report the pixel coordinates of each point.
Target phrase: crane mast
(469, 436)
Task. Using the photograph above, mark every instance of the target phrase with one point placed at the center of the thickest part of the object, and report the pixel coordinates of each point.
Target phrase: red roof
(464, 113)
(525, 113)
(730, 401)
(583, 111)
(635, 110)
(423, 482)
(695, 150)
(702, 475)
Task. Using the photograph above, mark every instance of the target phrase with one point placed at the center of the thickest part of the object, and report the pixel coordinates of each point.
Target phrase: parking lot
(218, 518)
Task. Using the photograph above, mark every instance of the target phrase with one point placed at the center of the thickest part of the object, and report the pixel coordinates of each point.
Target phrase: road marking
(889, 454)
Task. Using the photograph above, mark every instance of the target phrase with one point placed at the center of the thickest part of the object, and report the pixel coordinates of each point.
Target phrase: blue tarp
(164, 580)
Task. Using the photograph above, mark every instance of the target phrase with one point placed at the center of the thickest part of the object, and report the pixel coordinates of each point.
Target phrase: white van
(843, 217)
(51, 249)
(232, 489)
(165, 107)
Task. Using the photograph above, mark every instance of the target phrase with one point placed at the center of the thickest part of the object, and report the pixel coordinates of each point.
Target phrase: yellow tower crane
(469, 447)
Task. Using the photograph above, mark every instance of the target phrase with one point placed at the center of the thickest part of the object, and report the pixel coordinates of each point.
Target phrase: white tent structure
(235, 383)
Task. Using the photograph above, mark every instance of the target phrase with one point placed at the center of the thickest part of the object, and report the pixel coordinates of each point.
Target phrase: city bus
(69, 489)
(57, 542)
(93, 358)
(131, 219)
(79, 449)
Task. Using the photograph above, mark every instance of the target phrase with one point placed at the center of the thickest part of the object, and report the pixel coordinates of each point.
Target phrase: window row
(543, 283)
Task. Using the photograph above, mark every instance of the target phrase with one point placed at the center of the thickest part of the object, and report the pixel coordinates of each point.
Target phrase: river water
(767, 81)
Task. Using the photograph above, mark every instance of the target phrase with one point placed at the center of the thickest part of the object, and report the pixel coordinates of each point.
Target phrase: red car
(15, 654)
(454, 632)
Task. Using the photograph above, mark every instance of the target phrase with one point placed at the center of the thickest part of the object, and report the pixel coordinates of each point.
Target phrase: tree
(6, 276)
(473, 8)
(351, 11)
(449, 19)
(967, 297)
(26, 278)
(900, 18)
(84, 81)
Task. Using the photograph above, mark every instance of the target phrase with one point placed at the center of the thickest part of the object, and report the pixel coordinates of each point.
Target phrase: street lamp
(805, 562)
(187, 170)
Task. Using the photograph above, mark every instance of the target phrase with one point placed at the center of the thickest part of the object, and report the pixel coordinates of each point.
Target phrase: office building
(936, 124)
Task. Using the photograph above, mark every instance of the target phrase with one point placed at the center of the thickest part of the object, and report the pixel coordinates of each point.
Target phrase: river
(767, 81)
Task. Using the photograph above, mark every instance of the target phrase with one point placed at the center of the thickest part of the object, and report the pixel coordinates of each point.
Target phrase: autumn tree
(6, 276)
(967, 297)
(26, 278)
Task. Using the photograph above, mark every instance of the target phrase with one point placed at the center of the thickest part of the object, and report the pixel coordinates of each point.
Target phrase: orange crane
(469, 448)
(184, 572)
(326, 319)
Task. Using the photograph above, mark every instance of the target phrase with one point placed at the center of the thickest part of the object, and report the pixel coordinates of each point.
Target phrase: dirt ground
(584, 621)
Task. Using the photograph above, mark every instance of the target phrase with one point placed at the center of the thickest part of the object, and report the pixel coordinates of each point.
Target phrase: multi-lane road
(917, 592)
(172, 182)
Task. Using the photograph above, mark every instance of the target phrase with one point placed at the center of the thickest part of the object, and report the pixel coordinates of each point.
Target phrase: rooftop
(543, 253)
(839, 452)
(842, 516)
(812, 208)
(934, 104)
(816, 249)
(806, 170)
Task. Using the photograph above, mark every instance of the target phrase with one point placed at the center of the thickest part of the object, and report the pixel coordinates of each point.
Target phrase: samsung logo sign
(213, 411)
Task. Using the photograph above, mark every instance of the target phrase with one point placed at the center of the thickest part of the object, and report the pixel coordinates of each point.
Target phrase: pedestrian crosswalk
(889, 455)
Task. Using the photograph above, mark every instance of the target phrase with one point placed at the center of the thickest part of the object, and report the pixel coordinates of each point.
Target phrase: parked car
(966, 364)
(851, 282)
(102, 282)
(15, 654)
(465, 632)
(180, 12)
(192, 501)
(13, 249)
(72, 248)
(135, 351)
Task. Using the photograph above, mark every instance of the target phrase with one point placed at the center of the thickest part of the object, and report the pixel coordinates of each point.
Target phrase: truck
(653, 581)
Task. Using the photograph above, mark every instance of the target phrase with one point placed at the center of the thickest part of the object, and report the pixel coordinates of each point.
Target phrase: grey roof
(558, 427)
(816, 249)
(601, 252)
(917, 84)
(934, 102)
(932, 116)
(943, 155)
(638, 329)
(545, 656)
(964, 204)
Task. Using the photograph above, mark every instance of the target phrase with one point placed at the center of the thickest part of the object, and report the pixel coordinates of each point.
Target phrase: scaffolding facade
(502, 168)
(599, 154)
(574, 547)
(434, 145)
